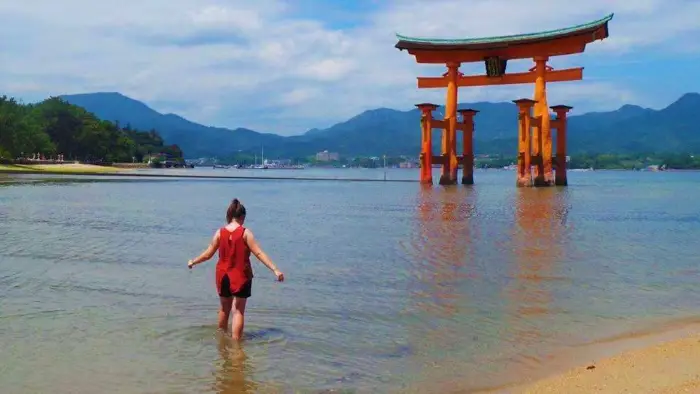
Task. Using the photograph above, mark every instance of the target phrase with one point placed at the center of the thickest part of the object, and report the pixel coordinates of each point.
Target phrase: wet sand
(672, 366)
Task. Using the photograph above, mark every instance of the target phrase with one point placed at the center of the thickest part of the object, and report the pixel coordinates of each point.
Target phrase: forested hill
(55, 126)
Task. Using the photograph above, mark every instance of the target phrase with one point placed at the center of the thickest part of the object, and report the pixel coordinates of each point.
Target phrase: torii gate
(535, 138)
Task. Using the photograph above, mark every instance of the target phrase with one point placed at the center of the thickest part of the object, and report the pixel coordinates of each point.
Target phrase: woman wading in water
(234, 275)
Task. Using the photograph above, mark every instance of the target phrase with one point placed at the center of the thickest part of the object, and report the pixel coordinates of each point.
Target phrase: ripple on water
(252, 336)
(388, 285)
(53, 313)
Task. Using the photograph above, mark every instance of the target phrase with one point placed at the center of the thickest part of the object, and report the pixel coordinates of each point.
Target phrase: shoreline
(668, 367)
(90, 170)
(663, 359)
(58, 168)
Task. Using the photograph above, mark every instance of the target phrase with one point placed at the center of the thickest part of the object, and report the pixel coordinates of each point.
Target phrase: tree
(57, 127)
(19, 132)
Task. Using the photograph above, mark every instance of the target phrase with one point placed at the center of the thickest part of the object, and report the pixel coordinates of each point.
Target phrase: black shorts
(244, 292)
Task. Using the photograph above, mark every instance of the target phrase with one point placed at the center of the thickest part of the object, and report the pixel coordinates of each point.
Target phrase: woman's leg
(238, 318)
(225, 312)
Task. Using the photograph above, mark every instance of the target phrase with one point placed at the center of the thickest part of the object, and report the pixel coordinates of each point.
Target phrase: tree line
(602, 161)
(678, 161)
(611, 161)
(55, 127)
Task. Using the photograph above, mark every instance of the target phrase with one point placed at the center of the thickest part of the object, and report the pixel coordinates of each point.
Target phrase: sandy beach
(76, 168)
(671, 366)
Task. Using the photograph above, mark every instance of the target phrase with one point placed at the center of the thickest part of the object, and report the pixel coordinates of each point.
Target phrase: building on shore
(327, 156)
(409, 162)
(278, 163)
(157, 157)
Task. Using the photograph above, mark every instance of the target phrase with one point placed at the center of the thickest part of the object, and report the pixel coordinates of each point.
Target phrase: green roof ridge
(513, 37)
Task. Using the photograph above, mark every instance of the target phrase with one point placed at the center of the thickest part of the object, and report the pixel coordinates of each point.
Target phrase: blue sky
(286, 67)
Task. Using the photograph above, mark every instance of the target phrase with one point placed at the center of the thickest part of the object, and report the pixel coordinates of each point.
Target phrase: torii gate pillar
(524, 176)
(426, 154)
(561, 124)
(468, 145)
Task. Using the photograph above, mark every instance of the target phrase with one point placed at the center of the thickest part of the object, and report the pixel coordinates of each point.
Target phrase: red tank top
(234, 259)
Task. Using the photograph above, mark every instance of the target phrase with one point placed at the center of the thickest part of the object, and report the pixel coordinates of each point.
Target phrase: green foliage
(498, 161)
(56, 127)
(607, 161)
(4, 153)
(20, 131)
(680, 161)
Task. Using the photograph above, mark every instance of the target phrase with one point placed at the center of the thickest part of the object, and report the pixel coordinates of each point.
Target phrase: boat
(262, 165)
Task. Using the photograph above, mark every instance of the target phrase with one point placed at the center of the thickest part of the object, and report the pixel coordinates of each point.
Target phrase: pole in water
(385, 167)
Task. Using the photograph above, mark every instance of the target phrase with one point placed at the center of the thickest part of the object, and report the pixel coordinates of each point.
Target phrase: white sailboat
(262, 165)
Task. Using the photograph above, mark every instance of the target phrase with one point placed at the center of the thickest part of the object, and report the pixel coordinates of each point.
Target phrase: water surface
(390, 286)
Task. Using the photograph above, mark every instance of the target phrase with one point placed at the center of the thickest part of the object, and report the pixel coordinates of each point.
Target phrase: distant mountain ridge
(629, 129)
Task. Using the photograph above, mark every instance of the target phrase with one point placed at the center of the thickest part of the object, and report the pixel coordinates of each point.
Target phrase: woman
(234, 275)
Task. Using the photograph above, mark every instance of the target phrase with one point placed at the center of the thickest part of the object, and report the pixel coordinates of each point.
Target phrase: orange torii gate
(535, 131)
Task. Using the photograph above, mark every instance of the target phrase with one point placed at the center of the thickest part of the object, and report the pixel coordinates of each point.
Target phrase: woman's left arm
(207, 254)
(258, 252)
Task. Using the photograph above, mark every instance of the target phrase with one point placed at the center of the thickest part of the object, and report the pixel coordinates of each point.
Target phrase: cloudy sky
(287, 66)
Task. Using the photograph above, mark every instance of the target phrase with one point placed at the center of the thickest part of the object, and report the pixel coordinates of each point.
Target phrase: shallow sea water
(391, 287)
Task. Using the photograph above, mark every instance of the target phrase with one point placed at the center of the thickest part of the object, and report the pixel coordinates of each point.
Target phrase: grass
(58, 168)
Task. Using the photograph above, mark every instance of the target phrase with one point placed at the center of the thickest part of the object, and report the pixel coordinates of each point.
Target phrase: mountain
(629, 129)
(195, 139)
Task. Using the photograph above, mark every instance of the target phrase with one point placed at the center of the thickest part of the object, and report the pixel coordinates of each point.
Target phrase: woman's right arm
(208, 253)
(258, 252)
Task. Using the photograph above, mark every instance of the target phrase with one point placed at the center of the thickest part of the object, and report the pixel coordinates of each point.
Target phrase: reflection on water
(444, 247)
(539, 233)
(537, 250)
(444, 270)
(232, 368)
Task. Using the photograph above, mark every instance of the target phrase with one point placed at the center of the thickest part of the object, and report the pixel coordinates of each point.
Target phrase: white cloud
(326, 69)
(231, 62)
(298, 96)
(226, 18)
